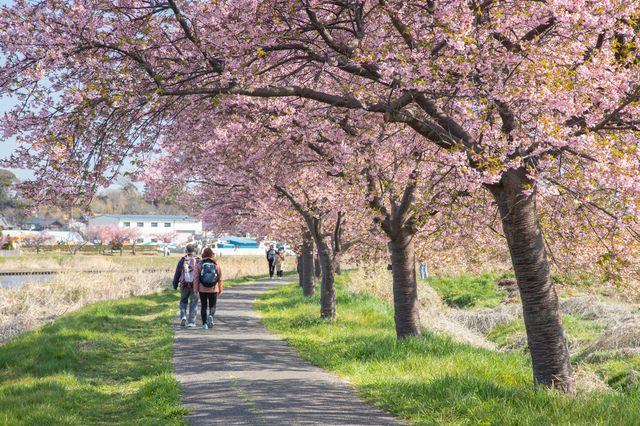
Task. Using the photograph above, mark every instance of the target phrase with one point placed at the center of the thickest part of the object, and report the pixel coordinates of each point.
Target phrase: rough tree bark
(328, 286)
(543, 322)
(308, 279)
(405, 290)
(317, 266)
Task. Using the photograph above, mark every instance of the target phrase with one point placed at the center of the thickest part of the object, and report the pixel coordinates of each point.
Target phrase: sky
(8, 146)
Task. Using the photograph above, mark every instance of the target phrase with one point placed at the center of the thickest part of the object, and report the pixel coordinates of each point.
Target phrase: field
(25, 307)
(233, 266)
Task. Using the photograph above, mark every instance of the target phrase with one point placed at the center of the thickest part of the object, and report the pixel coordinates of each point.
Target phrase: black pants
(207, 299)
(271, 266)
(280, 273)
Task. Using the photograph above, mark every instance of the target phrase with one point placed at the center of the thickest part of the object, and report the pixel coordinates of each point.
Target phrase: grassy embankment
(106, 363)
(436, 380)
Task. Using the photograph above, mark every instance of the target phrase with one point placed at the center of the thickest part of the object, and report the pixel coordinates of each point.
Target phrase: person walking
(271, 258)
(278, 263)
(183, 277)
(424, 274)
(208, 284)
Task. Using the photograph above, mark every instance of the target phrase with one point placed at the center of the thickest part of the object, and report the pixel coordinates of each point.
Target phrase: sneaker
(210, 321)
(183, 321)
(191, 324)
(205, 326)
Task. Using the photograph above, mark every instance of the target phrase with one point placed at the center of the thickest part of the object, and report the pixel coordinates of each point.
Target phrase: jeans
(271, 267)
(188, 298)
(423, 271)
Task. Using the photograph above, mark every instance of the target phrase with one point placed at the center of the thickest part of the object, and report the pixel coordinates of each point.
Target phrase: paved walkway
(240, 374)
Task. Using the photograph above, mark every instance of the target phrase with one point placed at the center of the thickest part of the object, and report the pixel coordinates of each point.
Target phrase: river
(18, 280)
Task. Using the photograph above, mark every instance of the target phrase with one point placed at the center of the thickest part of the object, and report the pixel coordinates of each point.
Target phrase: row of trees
(113, 235)
(372, 124)
(125, 199)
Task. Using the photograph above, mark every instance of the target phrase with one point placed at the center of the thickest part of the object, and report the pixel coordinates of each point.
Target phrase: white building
(186, 227)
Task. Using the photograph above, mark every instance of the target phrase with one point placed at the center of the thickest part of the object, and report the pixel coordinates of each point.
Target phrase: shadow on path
(238, 373)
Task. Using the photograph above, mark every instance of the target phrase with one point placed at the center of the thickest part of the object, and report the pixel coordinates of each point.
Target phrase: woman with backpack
(207, 283)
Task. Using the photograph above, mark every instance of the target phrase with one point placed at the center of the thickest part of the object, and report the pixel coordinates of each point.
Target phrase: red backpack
(188, 269)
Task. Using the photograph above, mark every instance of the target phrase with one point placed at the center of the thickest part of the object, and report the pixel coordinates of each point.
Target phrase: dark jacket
(271, 252)
(176, 276)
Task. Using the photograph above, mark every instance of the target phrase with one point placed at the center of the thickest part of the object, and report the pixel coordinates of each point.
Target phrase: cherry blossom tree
(123, 234)
(39, 239)
(103, 234)
(73, 244)
(165, 237)
(534, 102)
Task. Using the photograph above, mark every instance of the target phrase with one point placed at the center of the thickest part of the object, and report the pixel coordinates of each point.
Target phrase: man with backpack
(208, 284)
(184, 277)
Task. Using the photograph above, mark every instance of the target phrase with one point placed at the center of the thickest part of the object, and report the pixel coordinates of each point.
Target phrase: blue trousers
(423, 271)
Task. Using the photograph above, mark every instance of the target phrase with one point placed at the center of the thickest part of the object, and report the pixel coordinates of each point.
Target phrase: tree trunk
(328, 286)
(405, 287)
(318, 266)
(543, 322)
(308, 280)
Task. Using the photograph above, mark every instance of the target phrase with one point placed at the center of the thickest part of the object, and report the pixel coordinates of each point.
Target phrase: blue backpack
(208, 273)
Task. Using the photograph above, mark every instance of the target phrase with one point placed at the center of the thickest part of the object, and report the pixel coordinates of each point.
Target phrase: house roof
(239, 240)
(146, 217)
(42, 222)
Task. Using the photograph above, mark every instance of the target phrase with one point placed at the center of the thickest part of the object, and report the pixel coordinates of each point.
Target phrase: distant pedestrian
(271, 258)
(184, 276)
(208, 284)
(279, 263)
(424, 274)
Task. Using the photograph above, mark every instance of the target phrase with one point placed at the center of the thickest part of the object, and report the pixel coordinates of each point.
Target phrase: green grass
(469, 292)
(432, 380)
(108, 363)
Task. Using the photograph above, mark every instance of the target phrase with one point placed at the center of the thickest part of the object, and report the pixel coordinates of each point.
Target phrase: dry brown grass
(74, 263)
(25, 307)
(623, 337)
(483, 320)
(377, 280)
(240, 266)
(587, 381)
(593, 309)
